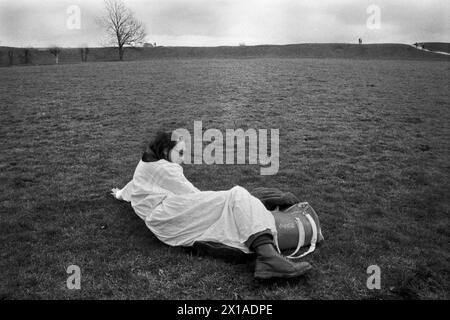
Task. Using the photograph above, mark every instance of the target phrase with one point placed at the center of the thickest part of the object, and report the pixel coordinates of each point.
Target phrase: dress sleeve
(173, 179)
(125, 193)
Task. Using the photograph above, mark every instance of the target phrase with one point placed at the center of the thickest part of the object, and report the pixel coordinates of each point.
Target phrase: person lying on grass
(179, 214)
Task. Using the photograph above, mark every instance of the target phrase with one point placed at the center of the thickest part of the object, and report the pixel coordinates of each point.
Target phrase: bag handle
(301, 237)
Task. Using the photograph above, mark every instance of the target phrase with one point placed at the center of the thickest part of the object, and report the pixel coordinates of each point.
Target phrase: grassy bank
(30, 56)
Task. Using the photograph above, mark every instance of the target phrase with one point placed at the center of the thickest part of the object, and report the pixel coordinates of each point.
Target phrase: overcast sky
(230, 22)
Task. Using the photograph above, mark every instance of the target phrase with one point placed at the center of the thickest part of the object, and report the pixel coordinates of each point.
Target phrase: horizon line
(221, 46)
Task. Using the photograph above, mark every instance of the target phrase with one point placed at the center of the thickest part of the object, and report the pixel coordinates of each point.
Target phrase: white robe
(179, 214)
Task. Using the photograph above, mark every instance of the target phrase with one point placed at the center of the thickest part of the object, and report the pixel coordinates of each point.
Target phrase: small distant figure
(11, 57)
(84, 54)
(360, 41)
(154, 44)
(416, 44)
(423, 46)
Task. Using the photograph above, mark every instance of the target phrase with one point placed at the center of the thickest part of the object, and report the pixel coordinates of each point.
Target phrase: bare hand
(114, 191)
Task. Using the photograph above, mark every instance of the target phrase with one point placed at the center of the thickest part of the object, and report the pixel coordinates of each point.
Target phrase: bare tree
(56, 51)
(121, 25)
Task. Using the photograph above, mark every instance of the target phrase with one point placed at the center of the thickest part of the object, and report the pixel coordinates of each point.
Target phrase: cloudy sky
(230, 22)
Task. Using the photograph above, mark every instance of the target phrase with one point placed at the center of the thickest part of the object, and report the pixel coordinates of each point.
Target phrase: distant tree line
(20, 56)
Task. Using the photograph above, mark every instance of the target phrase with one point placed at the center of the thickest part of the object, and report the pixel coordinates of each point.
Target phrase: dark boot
(270, 264)
(268, 267)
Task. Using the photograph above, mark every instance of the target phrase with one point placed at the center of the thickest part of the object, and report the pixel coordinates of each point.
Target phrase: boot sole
(271, 274)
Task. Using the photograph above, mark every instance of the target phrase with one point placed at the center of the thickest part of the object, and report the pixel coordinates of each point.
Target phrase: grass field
(365, 142)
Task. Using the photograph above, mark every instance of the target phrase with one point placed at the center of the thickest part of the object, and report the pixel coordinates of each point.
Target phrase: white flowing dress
(179, 214)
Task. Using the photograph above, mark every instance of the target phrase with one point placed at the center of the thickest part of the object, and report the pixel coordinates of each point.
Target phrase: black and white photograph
(244, 151)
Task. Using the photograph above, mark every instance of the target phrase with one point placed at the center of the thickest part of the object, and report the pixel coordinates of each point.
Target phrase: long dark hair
(159, 148)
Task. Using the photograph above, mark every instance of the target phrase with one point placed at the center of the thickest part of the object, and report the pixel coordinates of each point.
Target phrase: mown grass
(366, 143)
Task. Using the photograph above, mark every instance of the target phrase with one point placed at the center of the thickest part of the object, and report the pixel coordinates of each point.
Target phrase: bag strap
(301, 237)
